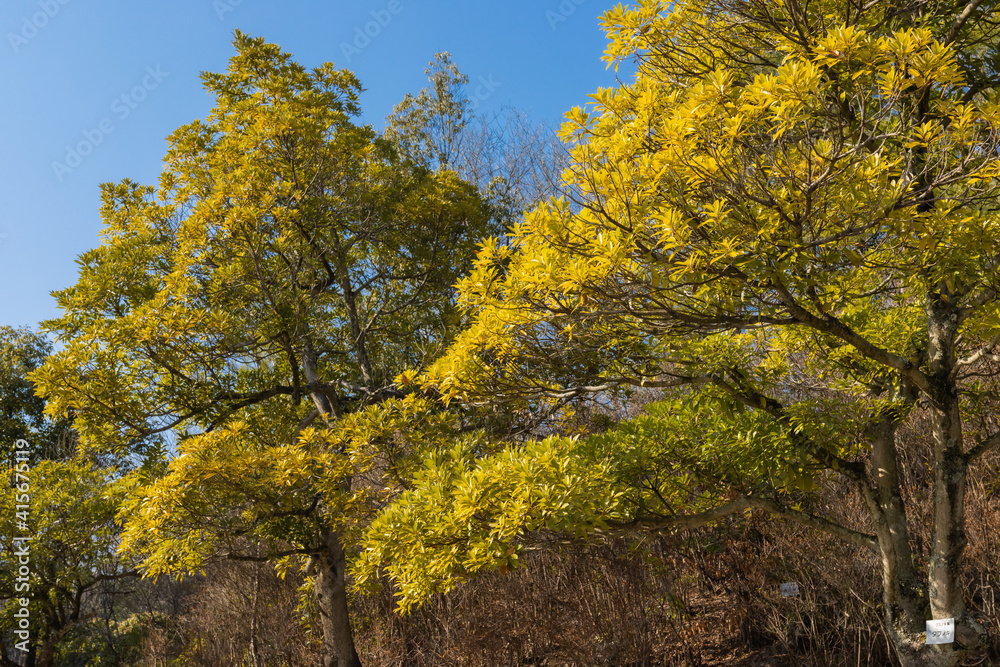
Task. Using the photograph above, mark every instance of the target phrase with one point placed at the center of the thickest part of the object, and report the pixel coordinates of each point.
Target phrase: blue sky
(115, 77)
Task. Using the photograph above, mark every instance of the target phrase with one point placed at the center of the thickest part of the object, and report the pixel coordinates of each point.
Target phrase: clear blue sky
(121, 75)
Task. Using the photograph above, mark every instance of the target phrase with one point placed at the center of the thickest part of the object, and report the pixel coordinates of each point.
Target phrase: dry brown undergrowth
(707, 597)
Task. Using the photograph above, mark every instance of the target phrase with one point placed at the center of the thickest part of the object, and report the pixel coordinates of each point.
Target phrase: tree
(22, 412)
(429, 127)
(62, 504)
(259, 306)
(513, 161)
(71, 557)
(787, 223)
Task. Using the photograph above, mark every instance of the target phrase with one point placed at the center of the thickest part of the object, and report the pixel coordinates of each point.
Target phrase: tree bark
(330, 566)
(906, 597)
(903, 592)
(258, 661)
(945, 594)
(331, 595)
(46, 655)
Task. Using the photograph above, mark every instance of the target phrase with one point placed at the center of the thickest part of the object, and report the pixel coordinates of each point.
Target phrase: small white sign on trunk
(789, 590)
(941, 631)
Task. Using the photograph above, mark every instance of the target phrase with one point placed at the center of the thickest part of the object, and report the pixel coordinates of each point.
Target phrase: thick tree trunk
(331, 565)
(46, 653)
(904, 594)
(47, 656)
(945, 593)
(331, 596)
(907, 600)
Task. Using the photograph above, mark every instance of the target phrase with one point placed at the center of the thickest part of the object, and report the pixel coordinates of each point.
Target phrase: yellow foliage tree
(788, 222)
(288, 268)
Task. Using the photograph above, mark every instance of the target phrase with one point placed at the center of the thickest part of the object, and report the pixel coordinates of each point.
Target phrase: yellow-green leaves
(843, 44)
(69, 511)
(227, 483)
(231, 484)
(260, 307)
(755, 224)
(712, 194)
(464, 515)
(914, 58)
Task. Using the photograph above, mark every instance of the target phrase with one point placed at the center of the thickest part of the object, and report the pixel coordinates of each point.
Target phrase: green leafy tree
(513, 161)
(787, 223)
(429, 127)
(22, 411)
(261, 306)
(64, 505)
(71, 558)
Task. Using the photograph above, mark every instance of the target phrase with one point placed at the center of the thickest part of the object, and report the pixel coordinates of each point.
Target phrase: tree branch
(753, 399)
(985, 445)
(831, 325)
(962, 19)
(985, 352)
(247, 558)
(689, 521)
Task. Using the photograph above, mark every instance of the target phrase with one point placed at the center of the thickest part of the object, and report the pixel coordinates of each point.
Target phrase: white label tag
(789, 590)
(941, 631)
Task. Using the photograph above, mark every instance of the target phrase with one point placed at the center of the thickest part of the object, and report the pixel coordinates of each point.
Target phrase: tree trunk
(331, 596)
(330, 566)
(903, 593)
(945, 592)
(46, 654)
(258, 661)
(907, 600)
